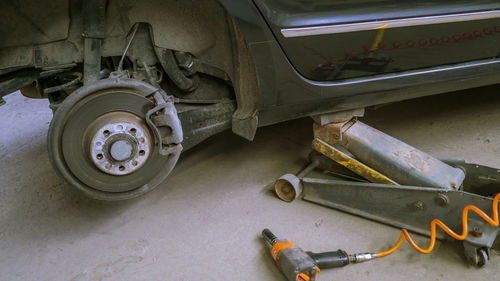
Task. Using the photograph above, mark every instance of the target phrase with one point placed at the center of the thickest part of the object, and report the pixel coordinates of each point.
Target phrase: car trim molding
(385, 24)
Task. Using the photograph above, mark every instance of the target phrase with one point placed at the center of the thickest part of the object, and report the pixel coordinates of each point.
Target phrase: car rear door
(327, 40)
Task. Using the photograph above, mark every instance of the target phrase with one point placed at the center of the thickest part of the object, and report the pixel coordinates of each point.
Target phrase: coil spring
(493, 221)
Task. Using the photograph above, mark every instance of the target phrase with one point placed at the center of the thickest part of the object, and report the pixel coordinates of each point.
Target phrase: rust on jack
(350, 163)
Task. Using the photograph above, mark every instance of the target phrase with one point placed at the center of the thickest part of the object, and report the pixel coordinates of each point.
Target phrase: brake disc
(100, 141)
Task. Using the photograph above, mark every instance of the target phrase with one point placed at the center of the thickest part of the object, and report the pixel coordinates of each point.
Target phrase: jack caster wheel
(482, 257)
(288, 187)
(476, 256)
(100, 142)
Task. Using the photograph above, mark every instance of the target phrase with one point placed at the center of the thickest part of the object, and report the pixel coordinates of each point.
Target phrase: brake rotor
(100, 142)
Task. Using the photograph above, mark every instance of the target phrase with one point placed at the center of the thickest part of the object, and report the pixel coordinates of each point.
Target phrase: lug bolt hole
(133, 131)
(121, 168)
(99, 156)
(134, 163)
(142, 153)
(106, 133)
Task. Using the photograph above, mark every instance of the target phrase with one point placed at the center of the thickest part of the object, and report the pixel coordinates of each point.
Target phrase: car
(134, 83)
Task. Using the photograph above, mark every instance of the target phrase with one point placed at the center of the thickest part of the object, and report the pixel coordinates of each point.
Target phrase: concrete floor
(204, 221)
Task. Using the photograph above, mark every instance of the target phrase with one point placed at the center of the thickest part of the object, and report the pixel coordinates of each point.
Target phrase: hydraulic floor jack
(391, 182)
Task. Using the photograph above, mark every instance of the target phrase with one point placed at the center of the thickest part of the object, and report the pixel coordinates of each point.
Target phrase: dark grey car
(134, 83)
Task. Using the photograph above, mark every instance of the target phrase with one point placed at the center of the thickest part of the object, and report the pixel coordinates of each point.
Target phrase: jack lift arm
(394, 183)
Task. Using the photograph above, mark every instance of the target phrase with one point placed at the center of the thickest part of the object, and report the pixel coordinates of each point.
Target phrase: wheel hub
(119, 148)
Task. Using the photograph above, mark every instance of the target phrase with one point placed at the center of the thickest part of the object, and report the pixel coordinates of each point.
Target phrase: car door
(328, 40)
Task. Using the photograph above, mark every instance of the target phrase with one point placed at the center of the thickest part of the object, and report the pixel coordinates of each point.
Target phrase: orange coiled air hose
(465, 213)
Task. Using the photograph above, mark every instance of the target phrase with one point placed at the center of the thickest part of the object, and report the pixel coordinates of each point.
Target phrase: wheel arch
(210, 30)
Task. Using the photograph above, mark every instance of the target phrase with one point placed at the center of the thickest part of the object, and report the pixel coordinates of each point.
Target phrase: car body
(241, 64)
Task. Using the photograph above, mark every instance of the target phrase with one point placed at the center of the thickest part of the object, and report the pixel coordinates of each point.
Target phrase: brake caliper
(165, 124)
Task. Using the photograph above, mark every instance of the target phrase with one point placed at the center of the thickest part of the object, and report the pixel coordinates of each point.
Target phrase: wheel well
(206, 29)
(202, 28)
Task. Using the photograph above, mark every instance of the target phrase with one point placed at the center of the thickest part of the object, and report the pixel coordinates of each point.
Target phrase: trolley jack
(389, 181)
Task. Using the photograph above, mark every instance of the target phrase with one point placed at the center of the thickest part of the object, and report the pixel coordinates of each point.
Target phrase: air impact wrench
(299, 265)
